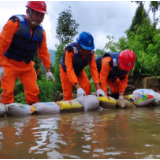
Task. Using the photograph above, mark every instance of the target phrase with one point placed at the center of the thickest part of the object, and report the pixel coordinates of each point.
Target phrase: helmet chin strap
(30, 11)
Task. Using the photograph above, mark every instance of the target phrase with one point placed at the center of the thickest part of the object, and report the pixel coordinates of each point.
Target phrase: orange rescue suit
(116, 86)
(69, 78)
(14, 69)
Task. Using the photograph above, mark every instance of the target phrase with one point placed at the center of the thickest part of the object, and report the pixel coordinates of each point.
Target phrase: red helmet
(126, 59)
(39, 6)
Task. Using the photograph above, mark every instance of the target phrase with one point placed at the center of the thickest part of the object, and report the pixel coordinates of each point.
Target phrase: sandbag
(3, 110)
(141, 100)
(89, 102)
(107, 102)
(70, 105)
(156, 95)
(46, 107)
(123, 103)
(18, 109)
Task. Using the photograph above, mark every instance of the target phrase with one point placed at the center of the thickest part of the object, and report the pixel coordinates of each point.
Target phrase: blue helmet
(86, 41)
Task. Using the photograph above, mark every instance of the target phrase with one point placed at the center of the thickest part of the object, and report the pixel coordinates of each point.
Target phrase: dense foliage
(145, 44)
(138, 18)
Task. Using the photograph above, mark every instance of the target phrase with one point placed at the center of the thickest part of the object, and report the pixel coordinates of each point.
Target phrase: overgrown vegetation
(144, 39)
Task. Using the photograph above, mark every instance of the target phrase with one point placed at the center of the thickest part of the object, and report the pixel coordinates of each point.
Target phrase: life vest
(24, 45)
(78, 63)
(115, 72)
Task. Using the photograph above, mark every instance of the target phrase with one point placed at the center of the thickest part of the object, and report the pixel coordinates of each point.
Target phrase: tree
(66, 30)
(154, 6)
(99, 52)
(111, 45)
(67, 27)
(140, 15)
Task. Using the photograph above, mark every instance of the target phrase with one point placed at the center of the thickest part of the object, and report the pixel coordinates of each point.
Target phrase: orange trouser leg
(31, 90)
(7, 85)
(84, 82)
(66, 85)
(8, 82)
(26, 73)
(113, 85)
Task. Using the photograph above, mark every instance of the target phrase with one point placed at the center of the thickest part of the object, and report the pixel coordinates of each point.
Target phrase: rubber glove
(100, 92)
(80, 92)
(120, 97)
(50, 75)
(1, 72)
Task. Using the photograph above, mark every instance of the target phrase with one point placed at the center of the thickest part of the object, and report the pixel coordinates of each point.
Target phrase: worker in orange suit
(114, 71)
(76, 56)
(20, 38)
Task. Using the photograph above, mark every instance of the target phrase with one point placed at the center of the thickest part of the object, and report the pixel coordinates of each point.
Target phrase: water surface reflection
(97, 134)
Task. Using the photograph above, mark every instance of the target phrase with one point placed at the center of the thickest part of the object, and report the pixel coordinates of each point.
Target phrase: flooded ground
(116, 133)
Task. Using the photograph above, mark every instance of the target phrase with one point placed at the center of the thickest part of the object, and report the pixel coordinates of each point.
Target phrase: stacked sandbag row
(144, 97)
(141, 92)
(139, 98)
(85, 103)
(111, 103)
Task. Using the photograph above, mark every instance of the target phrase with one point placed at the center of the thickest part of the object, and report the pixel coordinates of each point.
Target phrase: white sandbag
(89, 102)
(46, 107)
(3, 110)
(138, 92)
(18, 109)
(156, 95)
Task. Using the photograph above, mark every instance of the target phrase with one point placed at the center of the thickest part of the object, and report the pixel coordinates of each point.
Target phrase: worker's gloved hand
(120, 97)
(80, 92)
(50, 75)
(100, 92)
(1, 72)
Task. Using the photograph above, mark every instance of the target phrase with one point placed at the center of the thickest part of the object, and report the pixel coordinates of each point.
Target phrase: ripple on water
(99, 150)
(55, 154)
(1, 135)
(87, 146)
(113, 153)
(85, 151)
(71, 156)
(89, 135)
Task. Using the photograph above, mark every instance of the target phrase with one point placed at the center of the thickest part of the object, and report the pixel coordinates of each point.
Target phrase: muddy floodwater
(116, 133)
